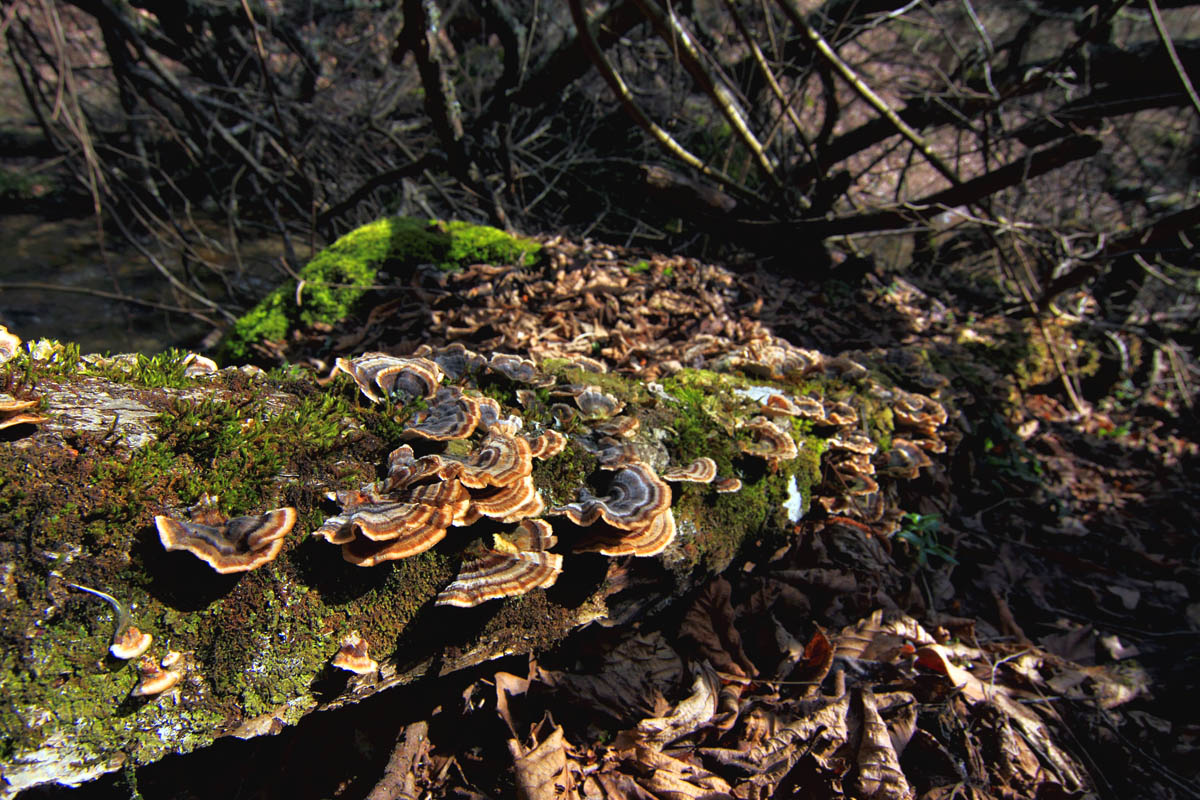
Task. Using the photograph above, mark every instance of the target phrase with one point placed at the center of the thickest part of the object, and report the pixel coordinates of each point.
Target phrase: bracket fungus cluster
(232, 545)
(514, 565)
(467, 459)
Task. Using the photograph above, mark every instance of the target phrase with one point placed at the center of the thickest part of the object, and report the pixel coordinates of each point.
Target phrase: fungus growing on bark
(618, 427)
(506, 503)
(854, 441)
(372, 529)
(404, 377)
(154, 679)
(840, 414)
(597, 404)
(515, 564)
(770, 442)
(635, 497)
(519, 369)
(127, 641)
(904, 460)
(10, 343)
(131, 643)
(196, 365)
(780, 405)
(728, 485)
(452, 415)
(501, 459)
(547, 445)
(649, 540)
(235, 545)
(455, 360)
(702, 470)
(918, 412)
(637, 509)
(352, 656)
(17, 412)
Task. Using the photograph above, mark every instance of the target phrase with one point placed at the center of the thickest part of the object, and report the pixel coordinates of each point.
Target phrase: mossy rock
(337, 278)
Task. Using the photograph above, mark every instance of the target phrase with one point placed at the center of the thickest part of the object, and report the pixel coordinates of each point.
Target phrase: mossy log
(128, 438)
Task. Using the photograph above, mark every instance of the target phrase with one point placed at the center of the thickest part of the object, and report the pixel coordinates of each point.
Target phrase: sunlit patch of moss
(334, 281)
(560, 477)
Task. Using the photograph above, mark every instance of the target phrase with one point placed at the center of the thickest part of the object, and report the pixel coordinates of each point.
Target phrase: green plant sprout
(920, 532)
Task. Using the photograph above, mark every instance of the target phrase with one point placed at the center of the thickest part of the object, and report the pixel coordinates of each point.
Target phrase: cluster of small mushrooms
(468, 459)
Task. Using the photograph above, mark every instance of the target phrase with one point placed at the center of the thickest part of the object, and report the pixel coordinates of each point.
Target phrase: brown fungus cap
(854, 441)
(618, 427)
(10, 343)
(597, 404)
(452, 415)
(18, 412)
(130, 643)
(392, 375)
(519, 369)
(506, 503)
(728, 485)
(352, 656)
(839, 413)
(702, 470)
(649, 540)
(634, 499)
(904, 460)
(547, 445)
(455, 360)
(780, 405)
(154, 679)
(500, 460)
(236, 545)
(516, 564)
(770, 441)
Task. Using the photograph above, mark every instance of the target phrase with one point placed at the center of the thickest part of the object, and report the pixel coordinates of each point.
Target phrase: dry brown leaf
(879, 775)
(688, 716)
(670, 778)
(508, 685)
(399, 776)
(708, 624)
(818, 726)
(631, 681)
(990, 693)
(542, 773)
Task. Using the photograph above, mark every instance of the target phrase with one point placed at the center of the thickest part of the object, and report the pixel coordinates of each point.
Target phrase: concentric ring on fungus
(516, 564)
(770, 441)
(236, 545)
(392, 375)
(635, 497)
(352, 655)
(702, 470)
(451, 415)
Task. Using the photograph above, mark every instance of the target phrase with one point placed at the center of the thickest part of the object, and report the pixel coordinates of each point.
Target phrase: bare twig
(625, 97)
(866, 93)
(1175, 62)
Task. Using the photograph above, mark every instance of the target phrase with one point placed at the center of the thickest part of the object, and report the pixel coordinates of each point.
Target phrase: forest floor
(1029, 632)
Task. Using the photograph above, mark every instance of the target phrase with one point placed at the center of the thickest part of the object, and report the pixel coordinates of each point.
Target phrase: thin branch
(625, 97)
(866, 93)
(688, 53)
(1167, 43)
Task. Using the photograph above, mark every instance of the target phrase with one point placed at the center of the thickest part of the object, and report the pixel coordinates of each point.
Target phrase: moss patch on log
(335, 280)
(77, 506)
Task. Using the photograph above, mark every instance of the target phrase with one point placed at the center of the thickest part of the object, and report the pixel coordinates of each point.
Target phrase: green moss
(260, 641)
(337, 278)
